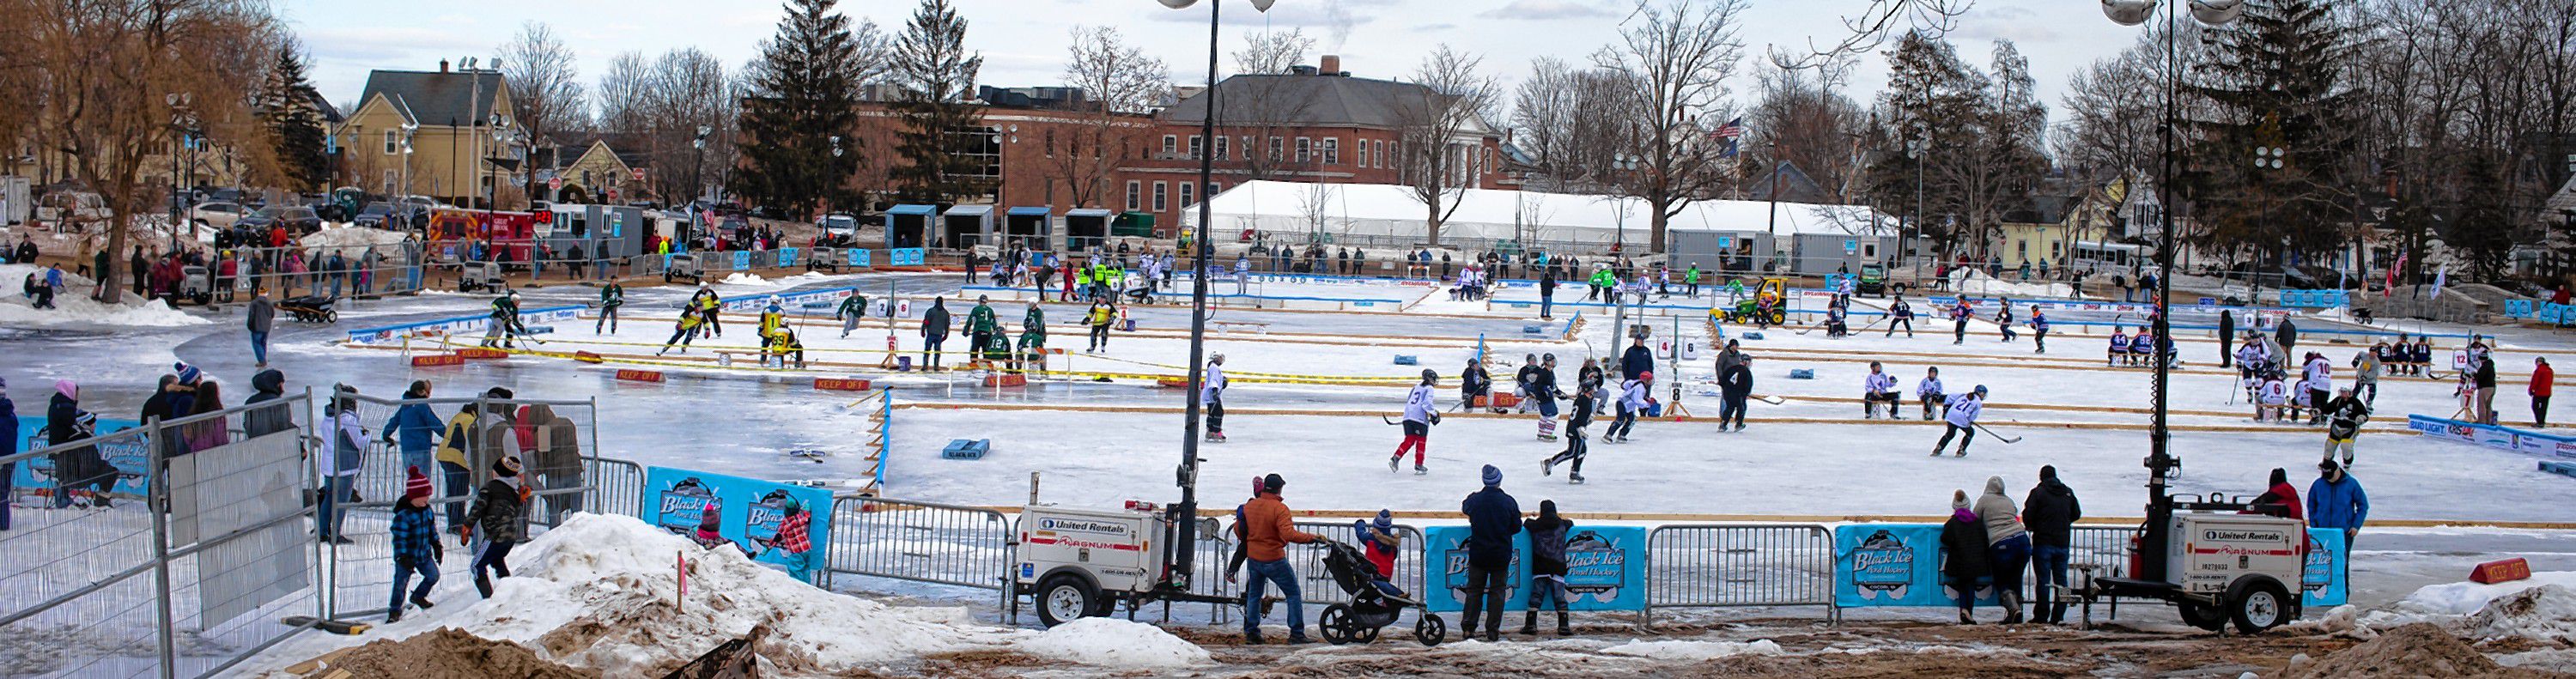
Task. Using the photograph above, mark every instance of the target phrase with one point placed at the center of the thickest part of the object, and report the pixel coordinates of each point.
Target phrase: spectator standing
(1493, 517)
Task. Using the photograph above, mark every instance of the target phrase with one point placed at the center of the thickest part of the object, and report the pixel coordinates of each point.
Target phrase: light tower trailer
(2217, 566)
(1077, 562)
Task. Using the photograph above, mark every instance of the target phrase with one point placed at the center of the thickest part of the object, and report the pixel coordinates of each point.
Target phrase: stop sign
(555, 184)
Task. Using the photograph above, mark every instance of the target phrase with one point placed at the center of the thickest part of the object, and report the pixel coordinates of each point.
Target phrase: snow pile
(73, 307)
(747, 278)
(1110, 642)
(353, 241)
(599, 593)
(2545, 613)
(1693, 650)
(2464, 598)
(1976, 282)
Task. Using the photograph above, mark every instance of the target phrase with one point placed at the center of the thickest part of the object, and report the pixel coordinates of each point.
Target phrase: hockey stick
(1997, 435)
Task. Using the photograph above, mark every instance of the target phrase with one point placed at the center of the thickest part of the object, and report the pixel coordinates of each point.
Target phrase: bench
(1230, 326)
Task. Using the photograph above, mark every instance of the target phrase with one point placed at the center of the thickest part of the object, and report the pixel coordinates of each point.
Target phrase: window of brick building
(1134, 191)
(1305, 149)
(1170, 144)
(1162, 191)
(1196, 143)
(1332, 150)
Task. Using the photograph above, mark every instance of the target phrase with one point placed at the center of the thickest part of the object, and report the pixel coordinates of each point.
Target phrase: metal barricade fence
(619, 487)
(920, 542)
(1316, 582)
(1748, 564)
(177, 550)
(2105, 548)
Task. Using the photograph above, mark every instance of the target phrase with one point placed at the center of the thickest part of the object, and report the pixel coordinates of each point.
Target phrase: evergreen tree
(289, 108)
(941, 125)
(1936, 103)
(802, 107)
(2277, 83)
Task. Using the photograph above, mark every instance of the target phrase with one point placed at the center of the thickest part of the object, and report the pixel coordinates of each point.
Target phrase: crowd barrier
(1739, 564)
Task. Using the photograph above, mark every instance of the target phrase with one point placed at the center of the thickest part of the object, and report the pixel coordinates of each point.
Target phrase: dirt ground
(450, 653)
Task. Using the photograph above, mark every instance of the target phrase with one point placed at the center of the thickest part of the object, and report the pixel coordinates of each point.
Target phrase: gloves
(1435, 418)
(465, 537)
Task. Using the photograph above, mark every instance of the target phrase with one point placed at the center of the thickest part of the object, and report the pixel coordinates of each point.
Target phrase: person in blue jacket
(412, 427)
(1493, 517)
(8, 471)
(2335, 500)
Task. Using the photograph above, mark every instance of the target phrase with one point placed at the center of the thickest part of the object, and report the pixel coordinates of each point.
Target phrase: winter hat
(1958, 499)
(2048, 472)
(506, 466)
(1385, 520)
(188, 374)
(1273, 483)
(1547, 509)
(415, 484)
(4, 384)
(2280, 476)
(68, 389)
(1493, 477)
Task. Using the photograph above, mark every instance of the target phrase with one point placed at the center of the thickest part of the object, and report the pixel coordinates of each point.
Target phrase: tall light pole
(2160, 460)
(1186, 513)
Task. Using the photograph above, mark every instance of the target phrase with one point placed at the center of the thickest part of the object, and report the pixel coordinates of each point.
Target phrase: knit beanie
(1493, 477)
(415, 484)
(187, 373)
(1958, 499)
(1385, 520)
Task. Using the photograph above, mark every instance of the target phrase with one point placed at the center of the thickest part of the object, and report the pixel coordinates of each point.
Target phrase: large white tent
(1389, 214)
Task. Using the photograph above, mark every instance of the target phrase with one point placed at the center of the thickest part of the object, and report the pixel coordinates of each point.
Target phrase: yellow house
(451, 119)
(598, 174)
(2047, 228)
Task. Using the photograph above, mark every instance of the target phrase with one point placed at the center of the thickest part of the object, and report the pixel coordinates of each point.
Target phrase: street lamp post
(2160, 460)
(1186, 512)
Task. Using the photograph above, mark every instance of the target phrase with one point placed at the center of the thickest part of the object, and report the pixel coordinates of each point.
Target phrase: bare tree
(1865, 31)
(1121, 84)
(1801, 120)
(543, 76)
(1572, 123)
(110, 80)
(1272, 52)
(1441, 132)
(1681, 53)
(623, 93)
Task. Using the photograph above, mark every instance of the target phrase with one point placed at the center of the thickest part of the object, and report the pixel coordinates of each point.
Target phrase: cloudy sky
(1023, 41)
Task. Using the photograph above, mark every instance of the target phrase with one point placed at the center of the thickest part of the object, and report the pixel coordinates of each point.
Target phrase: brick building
(1317, 124)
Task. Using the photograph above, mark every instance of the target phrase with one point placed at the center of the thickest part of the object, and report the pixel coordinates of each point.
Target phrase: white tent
(1388, 213)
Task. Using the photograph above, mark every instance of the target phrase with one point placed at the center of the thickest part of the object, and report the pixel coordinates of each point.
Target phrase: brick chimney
(1331, 64)
(442, 65)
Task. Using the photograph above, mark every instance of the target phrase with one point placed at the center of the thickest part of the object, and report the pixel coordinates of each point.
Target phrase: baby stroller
(310, 309)
(1375, 603)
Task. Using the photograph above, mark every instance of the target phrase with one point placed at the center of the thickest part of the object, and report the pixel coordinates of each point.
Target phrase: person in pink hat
(416, 548)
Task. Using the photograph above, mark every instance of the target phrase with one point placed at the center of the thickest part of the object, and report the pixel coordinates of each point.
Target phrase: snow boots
(2012, 607)
(1529, 624)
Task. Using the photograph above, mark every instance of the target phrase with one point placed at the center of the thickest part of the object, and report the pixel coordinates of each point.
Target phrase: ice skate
(1574, 479)
(1393, 461)
(1419, 470)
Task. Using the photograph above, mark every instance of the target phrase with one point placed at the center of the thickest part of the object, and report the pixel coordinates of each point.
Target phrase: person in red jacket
(2280, 499)
(2541, 376)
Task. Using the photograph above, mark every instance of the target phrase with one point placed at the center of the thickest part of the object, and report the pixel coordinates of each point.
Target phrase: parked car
(297, 218)
(837, 224)
(374, 215)
(217, 214)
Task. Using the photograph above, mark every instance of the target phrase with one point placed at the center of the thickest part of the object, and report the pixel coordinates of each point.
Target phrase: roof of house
(1795, 186)
(436, 97)
(1318, 100)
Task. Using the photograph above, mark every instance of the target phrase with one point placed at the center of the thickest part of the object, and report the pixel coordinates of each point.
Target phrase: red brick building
(1315, 125)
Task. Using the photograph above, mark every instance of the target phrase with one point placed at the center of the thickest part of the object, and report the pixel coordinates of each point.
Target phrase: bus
(2107, 257)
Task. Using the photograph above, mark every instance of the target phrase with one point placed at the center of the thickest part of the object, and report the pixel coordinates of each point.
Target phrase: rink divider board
(1296, 412)
(1671, 517)
(632, 375)
(436, 360)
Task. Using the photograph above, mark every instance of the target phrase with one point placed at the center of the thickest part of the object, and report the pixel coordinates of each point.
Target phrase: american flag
(1732, 133)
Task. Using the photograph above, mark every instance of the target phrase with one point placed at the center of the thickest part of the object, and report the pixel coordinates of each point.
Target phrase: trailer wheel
(2256, 604)
(2204, 617)
(1063, 598)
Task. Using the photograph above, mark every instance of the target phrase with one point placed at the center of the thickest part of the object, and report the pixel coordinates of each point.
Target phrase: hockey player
(1878, 388)
(1632, 405)
(1835, 327)
(981, 325)
(1420, 412)
(611, 297)
(853, 308)
(1100, 316)
(1959, 315)
(686, 331)
(1900, 313)
(1962, 417)
(2038, 330)
(710, 310)
(2344, 416)
(2298, 400)
(2004, 321)
(2119, 350)
(1033, 336)
(1539, 383)
(1929, 392)
(1586, 402)
(2271, 397)
(1475, 385)
(2252, 357)
(772, 317)
(1212, 395)
(2142, 346)
(2320, 379)
(2420, 361)
(504, 324)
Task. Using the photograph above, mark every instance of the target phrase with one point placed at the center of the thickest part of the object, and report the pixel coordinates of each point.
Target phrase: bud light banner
(754, 516)
(1605, 569)
(1891, 564)
(2326, 579)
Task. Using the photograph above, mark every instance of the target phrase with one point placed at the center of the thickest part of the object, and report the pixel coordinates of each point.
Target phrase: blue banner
(717, 510)
(1605, 569)
(907, 256)
(1891, 564)
(786, 257)
(742, 260)
(2326, 580)
(132, 461)
(2491, 436)
(858, 258)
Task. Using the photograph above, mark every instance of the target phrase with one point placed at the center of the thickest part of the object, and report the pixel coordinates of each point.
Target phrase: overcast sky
(1023, 41)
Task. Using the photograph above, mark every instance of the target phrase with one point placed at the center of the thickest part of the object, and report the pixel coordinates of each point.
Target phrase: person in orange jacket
(2541, 376)
(1266, 529)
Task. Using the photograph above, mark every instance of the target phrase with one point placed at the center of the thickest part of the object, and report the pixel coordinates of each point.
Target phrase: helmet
(1981, 390)
(1429, 375)
(1550, 357)
(1645, 376)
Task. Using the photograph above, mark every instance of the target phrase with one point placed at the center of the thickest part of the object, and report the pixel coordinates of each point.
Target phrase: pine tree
(1937, 101)
(941, 126)
(288, 107)
(2275, 83)
(804, 97)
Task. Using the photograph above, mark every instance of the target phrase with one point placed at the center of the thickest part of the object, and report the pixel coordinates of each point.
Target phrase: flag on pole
(1731, 133)
(2440, 277)
(2391, 287)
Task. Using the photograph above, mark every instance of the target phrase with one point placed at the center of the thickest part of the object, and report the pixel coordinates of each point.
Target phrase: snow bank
(1976, 282)
(73, 307)
(354, 240)
(1110, 642)
(747, 279)
(2541, 608)
(2545, 613)
(1694, 650)
(2465, 598)
(599, 593)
